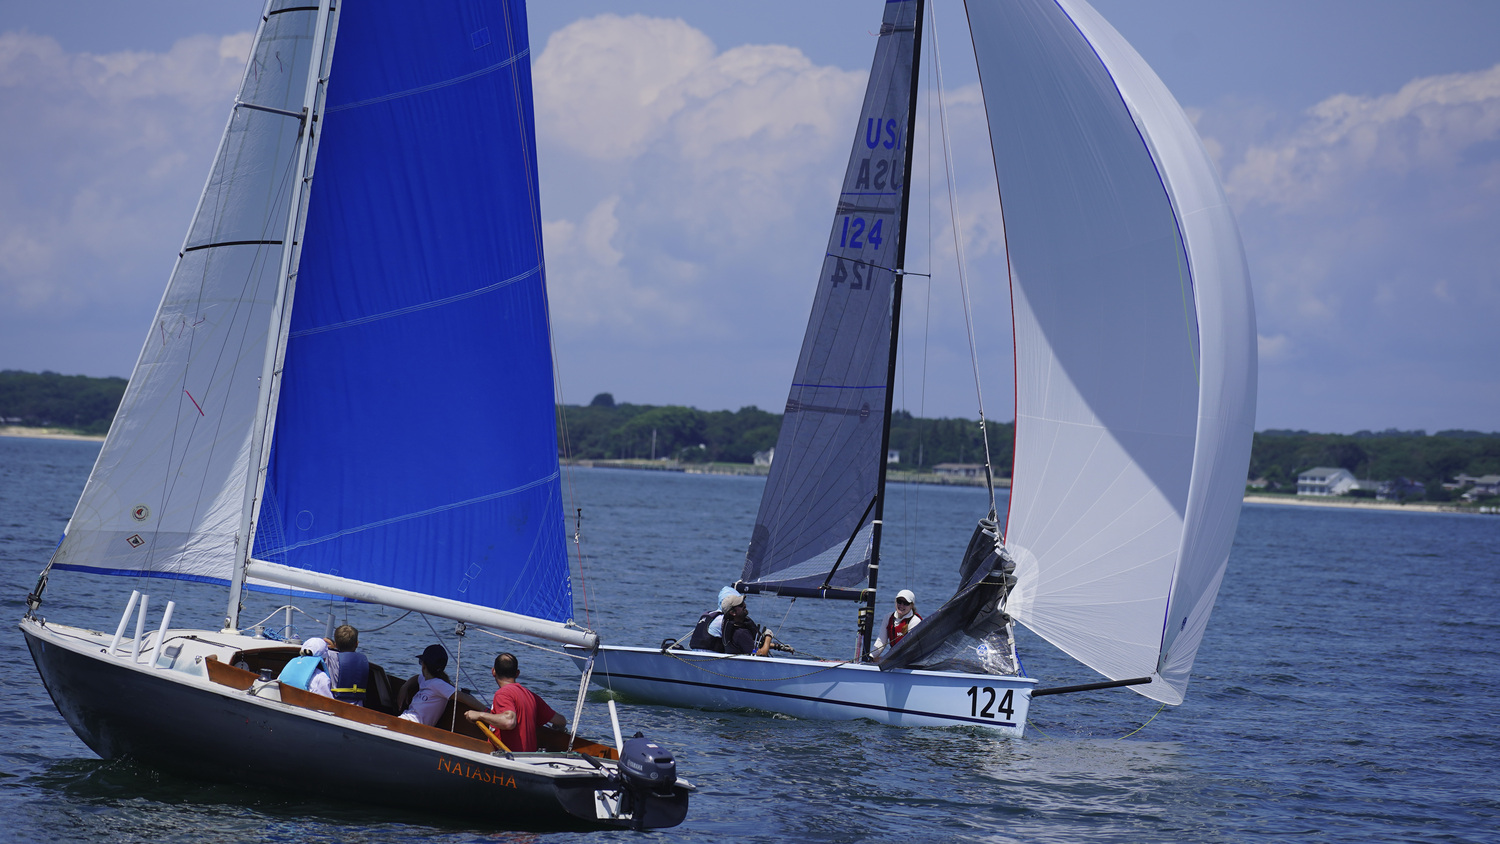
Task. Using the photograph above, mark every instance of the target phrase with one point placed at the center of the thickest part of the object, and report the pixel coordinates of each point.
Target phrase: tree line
(1278, 456)
(49, 400)
(604, 429)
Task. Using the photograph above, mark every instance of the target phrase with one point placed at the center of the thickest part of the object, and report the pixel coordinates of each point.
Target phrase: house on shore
(1325, 481)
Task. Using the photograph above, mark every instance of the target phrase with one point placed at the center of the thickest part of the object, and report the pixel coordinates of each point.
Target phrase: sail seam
(420, 514)
(410, 92)
(410, 309)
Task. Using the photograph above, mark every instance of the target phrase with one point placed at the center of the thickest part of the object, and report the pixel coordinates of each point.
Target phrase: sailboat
(347, 392)
(1135, 383)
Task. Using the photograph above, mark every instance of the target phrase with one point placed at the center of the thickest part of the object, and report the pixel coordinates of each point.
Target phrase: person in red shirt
(516, 713)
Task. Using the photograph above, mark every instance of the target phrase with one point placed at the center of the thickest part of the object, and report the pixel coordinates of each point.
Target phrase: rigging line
(958, 246)
(1145, 725)
(566, 444)
(788, 613)
(521, 642)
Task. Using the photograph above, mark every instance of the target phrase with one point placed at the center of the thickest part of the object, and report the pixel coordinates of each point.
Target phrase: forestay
(1134, 335)
(826, 472)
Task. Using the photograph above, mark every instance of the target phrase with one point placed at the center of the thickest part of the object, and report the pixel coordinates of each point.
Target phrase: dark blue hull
(193, 728)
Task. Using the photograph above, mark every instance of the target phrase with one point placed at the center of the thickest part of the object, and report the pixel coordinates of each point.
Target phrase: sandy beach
(47, 434)
(1356, 504)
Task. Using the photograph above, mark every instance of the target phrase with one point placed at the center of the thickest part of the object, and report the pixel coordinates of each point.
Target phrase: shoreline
(47, 434)
(895, 476)
(1359, 504)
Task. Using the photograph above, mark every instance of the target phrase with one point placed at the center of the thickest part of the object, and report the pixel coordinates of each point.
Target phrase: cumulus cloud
(1428, 126)
(697, 187)
(115, 148)
(1370, 228)
(607, 86)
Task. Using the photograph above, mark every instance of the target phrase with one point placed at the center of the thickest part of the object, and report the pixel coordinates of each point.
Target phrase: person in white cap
(740, 629)
(900, 623)
(708, 633)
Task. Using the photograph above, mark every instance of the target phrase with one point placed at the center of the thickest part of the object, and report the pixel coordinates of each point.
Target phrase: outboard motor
(647, 770)
(647, 765)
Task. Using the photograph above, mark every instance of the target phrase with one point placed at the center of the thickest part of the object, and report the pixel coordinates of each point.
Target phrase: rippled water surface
(1345, 690)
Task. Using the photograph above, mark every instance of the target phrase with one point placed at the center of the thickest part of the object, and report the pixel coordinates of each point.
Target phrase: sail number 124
(982, 703)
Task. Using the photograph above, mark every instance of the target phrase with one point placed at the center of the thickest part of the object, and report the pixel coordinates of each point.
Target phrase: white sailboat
(1135, 386)
(347, 391)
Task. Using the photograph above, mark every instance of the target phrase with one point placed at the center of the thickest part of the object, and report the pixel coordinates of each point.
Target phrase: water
(1344, 692)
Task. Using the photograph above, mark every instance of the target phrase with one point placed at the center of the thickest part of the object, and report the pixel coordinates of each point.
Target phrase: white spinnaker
(168, 490)
(1227, 347)
(1134, 344)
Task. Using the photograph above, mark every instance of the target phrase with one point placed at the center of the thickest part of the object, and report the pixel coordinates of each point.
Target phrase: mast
(867, 600)
(265, 416)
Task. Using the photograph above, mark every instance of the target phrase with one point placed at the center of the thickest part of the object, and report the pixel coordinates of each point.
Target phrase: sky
(690, 155)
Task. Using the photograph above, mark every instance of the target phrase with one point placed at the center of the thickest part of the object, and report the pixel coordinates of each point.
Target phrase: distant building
(1401, 489)
(764, 458)
(1484, 486)
(893, 455)
(959, 470)
(1325, 481)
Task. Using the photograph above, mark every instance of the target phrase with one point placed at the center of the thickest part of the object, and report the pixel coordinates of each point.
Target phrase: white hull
(816, 690)
(166, 711)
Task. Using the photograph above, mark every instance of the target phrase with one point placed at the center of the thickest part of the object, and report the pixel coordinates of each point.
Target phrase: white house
(764, 458)
(1325, 481)
(1484, 485)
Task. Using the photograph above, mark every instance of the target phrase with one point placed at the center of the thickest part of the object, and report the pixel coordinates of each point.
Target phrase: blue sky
(689, 159)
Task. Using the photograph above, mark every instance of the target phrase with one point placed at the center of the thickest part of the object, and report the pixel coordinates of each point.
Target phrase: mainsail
(398, 343)
(830, 455)
(1134, 335)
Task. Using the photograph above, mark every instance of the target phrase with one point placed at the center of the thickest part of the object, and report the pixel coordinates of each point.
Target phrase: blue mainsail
(415, 442)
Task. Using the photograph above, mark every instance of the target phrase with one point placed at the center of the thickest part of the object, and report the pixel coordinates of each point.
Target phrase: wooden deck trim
(553, 741)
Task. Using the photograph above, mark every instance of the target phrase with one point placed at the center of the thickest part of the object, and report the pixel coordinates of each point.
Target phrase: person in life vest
(708, 633)
(740, 630)
(900, 623)
(306, 670)
(516, 712)
(352, 668)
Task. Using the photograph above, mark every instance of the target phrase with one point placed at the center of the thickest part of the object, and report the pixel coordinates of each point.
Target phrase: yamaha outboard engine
(646, 769)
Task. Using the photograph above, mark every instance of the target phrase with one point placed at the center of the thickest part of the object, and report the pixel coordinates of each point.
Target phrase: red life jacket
(895, 630)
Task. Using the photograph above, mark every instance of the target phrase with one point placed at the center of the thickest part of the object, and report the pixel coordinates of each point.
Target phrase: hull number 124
(982, 703)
